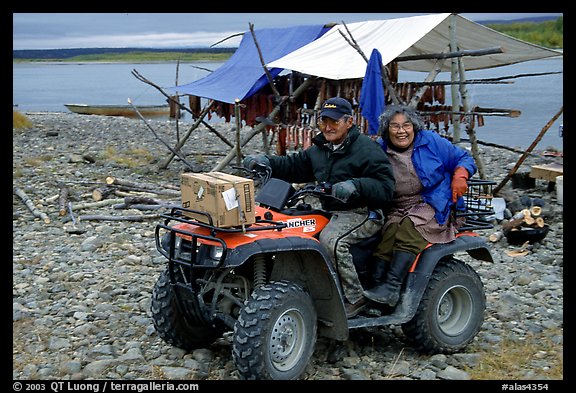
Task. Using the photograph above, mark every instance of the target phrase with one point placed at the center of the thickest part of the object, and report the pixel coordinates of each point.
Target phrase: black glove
(252, 160)
(344, 190)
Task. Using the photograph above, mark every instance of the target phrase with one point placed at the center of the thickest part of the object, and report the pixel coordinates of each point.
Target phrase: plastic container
(560, 189)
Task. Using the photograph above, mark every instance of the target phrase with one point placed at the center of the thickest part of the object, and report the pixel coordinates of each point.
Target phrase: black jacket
(359, 158)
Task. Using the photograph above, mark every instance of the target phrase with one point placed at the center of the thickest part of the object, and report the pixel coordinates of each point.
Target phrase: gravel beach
(82, 285)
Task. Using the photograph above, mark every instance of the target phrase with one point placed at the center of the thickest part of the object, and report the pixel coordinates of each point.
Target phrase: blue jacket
(435, 158)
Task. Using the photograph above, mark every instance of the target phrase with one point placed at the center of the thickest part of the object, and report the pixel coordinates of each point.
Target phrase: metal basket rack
(478, 205)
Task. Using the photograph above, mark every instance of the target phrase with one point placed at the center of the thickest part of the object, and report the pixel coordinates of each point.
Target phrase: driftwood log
(525, 218)
(30, 205)
(63, 200)
(124, 184)
(144, 203)
(496, 236)
(105, 202)
(95, 217)
(101, 193)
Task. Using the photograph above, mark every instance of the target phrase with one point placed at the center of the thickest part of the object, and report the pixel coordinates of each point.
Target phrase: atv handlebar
(321, 191)
(263, 173)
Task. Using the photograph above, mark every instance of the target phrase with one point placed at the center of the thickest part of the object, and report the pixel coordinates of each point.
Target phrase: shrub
(20, 121)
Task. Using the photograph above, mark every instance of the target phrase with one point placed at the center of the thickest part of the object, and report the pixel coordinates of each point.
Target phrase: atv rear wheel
(451, 310)
(275, 334)
(171, 323)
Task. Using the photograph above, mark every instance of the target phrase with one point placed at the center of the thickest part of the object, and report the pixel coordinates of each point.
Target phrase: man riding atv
(361, 179)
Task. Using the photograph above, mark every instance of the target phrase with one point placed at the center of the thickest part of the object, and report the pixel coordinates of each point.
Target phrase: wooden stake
(530, 148)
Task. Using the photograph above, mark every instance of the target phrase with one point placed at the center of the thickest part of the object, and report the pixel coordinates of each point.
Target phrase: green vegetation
(549, 34)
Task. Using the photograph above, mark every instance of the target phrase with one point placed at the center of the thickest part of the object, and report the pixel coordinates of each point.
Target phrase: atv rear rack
(478, 205)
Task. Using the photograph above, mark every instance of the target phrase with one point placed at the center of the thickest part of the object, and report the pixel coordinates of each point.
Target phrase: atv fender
(417, 279)
(305, 262)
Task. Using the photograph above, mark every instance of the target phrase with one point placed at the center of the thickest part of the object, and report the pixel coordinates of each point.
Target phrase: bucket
(560, 189)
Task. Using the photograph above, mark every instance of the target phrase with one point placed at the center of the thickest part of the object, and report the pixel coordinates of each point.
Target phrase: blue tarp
(242, 75)
(372, 100)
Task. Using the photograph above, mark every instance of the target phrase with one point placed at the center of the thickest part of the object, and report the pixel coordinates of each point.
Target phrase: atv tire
(451, 310)
(171, 324)
(275, 334)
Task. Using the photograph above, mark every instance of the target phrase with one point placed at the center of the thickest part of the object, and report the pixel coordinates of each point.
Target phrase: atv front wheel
(275, 334)
(171, 323)
(451, 310)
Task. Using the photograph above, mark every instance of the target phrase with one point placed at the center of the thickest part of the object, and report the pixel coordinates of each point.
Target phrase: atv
(274, 287)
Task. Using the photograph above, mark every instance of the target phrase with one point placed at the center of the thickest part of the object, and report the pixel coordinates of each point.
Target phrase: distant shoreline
(121, 55)
(76, 62)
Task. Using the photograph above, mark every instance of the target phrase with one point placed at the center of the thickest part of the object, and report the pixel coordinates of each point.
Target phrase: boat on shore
(120, 110)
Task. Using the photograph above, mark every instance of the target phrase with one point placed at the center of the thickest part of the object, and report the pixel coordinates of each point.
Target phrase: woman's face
(401, 131)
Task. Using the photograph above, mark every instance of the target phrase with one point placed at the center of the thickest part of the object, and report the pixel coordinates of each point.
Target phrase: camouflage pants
(345, 229)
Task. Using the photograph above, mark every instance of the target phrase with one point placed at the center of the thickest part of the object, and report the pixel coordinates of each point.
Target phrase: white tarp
(332, 57)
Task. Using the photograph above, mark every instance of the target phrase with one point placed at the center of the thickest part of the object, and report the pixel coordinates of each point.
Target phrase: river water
(46, 87)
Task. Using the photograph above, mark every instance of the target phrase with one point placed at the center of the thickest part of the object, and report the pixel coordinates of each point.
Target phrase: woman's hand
(459, 185)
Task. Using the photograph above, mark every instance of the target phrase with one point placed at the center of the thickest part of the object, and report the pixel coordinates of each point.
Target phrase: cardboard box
(228, 199)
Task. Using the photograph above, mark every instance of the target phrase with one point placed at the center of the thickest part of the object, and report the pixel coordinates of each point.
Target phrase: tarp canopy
(332, 57)
(243, 75)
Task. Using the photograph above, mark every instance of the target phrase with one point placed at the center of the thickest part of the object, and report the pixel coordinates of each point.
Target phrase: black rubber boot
(378, 272)
(389, 292)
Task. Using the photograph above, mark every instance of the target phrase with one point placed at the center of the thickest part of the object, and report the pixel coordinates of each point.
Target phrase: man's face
(335, 131)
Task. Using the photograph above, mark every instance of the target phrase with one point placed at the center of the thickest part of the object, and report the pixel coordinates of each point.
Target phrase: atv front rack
(178, 214)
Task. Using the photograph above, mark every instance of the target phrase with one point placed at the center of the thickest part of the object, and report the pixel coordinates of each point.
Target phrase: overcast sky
(166, 30)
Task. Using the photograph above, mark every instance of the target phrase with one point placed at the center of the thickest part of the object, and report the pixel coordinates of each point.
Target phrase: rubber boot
(389, 292)
(378, 272)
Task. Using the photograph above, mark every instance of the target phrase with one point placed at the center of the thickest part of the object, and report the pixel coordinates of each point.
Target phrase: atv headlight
(216, 252)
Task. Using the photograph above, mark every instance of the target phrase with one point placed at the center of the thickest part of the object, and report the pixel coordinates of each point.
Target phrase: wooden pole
(444, 55)
(200, 119)
(470, 125)
(530, 148)
(175, 152)
(238, 126)
(497, 80)
(179, 145)
(232, 153)
(270, 80)
(454, 77)
(431, 76)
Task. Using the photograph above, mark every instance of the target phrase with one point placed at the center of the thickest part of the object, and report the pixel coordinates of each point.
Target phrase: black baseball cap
(335, 108)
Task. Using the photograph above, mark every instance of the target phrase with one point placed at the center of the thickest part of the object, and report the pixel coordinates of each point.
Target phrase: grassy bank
(549, 34)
